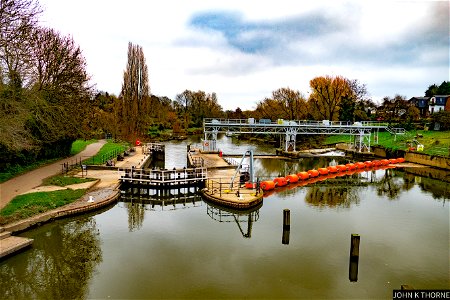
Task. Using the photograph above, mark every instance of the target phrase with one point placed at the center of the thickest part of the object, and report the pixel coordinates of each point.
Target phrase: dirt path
(21, 184)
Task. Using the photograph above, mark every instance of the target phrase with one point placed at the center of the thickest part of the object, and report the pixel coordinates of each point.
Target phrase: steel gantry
(288, 130)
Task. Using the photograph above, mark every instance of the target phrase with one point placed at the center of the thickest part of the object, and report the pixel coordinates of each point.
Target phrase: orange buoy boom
(303, 175)
(342, 168)
(351, 166)
(280, 181)
(267, 185)
(250, 185)
(313, 173)
(385, 162)
(332, 169)
(360, 165)
(323, 171)
(292, 178)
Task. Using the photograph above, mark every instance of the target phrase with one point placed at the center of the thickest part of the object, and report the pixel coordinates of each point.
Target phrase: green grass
(60, 180)
(13, 171)
(435, 142)
(28, 205)
(80, 145)
(109, 151)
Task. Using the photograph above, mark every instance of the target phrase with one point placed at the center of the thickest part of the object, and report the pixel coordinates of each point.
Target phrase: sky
(244, 50)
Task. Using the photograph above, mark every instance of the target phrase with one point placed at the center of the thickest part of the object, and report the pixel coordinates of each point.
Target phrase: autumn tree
(327, 94)
(135, 94)
(285, 103)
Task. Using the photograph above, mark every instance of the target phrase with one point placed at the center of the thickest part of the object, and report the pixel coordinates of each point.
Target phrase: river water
(196, 250)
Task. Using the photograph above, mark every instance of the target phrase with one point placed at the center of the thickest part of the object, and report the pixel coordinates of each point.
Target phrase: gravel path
(25, 182)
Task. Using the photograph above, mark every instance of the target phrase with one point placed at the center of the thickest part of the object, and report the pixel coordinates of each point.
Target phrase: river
(197, 250)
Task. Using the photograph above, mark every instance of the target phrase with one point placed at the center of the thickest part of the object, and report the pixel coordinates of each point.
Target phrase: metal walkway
(361, 131)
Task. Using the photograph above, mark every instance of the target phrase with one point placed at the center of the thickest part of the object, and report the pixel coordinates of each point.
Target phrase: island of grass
(28, 205)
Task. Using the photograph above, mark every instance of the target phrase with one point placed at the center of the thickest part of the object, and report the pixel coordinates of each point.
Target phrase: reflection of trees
(136, 215)
(408, 181)
(59, 266)
(388, 186)
(439, 189)
(332, 196)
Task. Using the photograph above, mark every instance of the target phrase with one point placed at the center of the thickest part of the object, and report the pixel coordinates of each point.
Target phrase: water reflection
(59, 266)
(332, 196)
(139, 199)
(389, 185)
(240, 217)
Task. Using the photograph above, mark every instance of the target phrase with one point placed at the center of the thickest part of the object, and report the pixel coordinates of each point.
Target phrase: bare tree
(17, 19)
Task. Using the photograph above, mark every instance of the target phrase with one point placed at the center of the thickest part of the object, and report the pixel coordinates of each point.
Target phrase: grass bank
(16, 170)
(110, 150)
(80, 145)
(60, 180)
(28, 205)
(435, 142)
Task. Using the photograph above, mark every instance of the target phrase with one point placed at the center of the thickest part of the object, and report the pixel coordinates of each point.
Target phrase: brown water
(195, 250)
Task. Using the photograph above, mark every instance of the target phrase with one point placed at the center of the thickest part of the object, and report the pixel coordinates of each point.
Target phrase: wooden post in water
(286, 226)
(354, 258)
(286, 218)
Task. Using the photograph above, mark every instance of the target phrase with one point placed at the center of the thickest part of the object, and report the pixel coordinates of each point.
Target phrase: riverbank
(434, 161)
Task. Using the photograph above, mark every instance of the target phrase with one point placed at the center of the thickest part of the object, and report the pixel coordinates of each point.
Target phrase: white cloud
(281, 43)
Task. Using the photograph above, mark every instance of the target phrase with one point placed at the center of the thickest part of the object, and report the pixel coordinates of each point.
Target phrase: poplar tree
(135, 95)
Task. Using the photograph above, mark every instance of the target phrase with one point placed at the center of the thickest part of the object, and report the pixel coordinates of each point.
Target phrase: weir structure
(288, 130)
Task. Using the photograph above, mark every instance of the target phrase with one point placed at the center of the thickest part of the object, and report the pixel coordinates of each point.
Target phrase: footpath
(101, 193)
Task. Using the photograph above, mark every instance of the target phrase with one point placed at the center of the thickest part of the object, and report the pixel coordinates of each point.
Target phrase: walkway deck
(218, 185)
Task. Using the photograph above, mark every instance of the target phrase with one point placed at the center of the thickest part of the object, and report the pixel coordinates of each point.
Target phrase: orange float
(393, 161)
(303, 175)
(332, 169)
(292, 178)
(400, 160)
(385, 162)
(313, 173)
(351, 166)
(323, 171)
(280, 181)
(376, 163)
(368, 163)
(267, 185)
(360, 165)
(250, 185)
(342, 168)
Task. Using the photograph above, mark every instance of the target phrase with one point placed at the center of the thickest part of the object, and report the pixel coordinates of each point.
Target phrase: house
(438, 102)
(422, 104)
(430, 105)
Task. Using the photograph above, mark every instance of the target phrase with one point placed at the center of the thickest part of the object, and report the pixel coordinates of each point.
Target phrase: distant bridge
(361, 131)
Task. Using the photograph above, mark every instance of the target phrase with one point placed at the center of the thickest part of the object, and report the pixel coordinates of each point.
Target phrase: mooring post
(354, 258)
(286, 218)
(354, 245)
(286, 226)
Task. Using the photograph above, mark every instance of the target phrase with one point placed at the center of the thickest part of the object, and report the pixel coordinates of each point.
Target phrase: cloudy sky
(243, 50)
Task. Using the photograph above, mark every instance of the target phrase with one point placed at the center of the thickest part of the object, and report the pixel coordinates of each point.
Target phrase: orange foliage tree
(327, 95)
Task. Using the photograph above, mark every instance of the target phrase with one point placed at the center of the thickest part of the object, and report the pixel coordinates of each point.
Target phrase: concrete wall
(428, 160)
